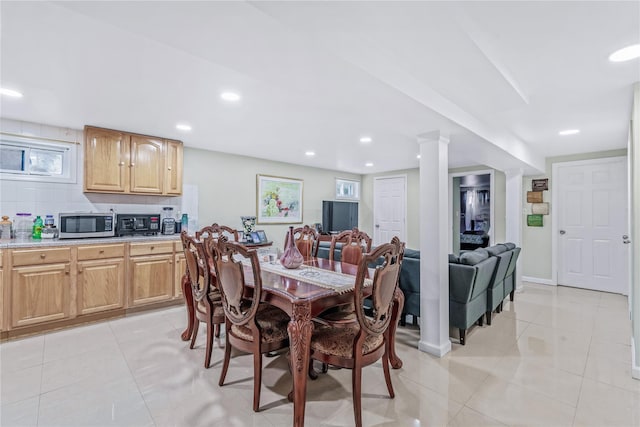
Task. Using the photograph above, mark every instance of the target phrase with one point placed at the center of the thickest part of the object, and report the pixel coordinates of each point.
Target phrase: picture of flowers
(279, 200)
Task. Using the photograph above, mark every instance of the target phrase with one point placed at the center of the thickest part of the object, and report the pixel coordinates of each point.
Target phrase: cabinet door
(1, 299)
(106, 158)
(173, 179)
(147, 164)
(180, 270)
(39, 294)
(100, 285)
(151, 279)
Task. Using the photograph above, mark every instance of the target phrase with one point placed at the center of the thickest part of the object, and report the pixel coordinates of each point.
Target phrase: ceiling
(500, 79)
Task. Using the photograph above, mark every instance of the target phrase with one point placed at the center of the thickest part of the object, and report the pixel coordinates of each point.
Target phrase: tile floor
(555, 357)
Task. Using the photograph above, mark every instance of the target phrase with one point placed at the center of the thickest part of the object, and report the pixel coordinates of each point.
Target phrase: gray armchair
(409, 283)
(495, 292)
(510, 278)
(469, 278)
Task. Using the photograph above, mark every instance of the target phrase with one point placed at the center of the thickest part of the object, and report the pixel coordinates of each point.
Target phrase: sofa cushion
(509, 245)
(473, 257)
(454, 259)
(496, 250)
(411, 253)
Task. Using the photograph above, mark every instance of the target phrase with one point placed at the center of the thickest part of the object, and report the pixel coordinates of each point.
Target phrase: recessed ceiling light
(182, 126)
(418, 156)
(569, 132)
(230, 96)
(626, 54)
(310, 153)
(10, 92)
(366, 139)
(368, 164)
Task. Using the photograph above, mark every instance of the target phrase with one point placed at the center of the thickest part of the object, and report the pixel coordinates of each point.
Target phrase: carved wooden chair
(365, 341)
(306, 240)
(251, 326)
(207, 305)
(354, 244)
(214, 231)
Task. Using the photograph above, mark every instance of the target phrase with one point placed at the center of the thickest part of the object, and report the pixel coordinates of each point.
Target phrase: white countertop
(40, 243)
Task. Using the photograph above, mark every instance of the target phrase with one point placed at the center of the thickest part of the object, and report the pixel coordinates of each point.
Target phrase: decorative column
(434, 244)
(514, 214)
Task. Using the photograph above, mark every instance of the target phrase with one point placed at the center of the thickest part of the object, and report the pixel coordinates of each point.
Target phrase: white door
(592, 220)
(389, 209)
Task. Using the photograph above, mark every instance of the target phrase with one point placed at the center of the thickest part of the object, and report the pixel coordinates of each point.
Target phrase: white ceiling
(501, 78)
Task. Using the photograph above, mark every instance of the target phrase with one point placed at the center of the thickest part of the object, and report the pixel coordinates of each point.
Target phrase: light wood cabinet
(173, 177)
(151, 274)
(120, 162)
(180, 266)
(39, 294)
(2, 297)
(100, 278)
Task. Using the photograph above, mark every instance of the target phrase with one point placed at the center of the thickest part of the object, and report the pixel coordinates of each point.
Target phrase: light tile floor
(556, 357)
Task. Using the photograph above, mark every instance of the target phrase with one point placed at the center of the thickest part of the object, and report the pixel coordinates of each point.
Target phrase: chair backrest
(385, 282)
(354, 243)
(197, 266)
(228, 261)
(214, 231)
(306, 240)
(514, 260)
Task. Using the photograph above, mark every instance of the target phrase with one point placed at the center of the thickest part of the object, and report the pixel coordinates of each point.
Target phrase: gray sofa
(469, 278)
(496, 292)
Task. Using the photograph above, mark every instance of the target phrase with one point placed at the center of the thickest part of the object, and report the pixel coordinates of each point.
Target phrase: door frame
(492, 202)
(555, 201)
(373, 224)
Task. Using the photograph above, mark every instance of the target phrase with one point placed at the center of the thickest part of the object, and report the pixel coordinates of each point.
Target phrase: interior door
(592, 220)
(389, 209)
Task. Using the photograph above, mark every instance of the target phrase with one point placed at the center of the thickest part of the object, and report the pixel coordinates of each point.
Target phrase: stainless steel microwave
(80, 225)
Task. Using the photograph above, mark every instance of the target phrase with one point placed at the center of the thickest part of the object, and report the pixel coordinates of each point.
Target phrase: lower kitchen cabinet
(39, 294)
(180, 268)
(151, 278)
(100, 285)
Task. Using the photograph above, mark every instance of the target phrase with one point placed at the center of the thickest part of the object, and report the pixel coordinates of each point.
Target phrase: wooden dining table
(303, 299)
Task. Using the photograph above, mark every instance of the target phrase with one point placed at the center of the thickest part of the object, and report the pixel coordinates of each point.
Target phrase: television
(339, 216)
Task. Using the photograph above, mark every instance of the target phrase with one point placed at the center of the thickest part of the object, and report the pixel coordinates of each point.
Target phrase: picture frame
(534, 196)
(540, 208)
(347, 189)
(262, 236)
(278, 200)
(255, 238)
(534, 220)
(540, 184)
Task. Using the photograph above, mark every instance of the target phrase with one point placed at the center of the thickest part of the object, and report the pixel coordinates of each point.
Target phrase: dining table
(304, 293)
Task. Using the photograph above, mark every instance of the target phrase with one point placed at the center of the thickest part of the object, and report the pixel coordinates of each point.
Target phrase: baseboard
(635, 361)
(435, 350)
(537, 280)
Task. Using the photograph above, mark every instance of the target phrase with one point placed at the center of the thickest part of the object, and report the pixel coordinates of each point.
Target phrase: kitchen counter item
(131, 224)
(23, 226)
(5, 229)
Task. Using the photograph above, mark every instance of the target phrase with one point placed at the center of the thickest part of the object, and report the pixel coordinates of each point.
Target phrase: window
(35, 159)
(347, 189)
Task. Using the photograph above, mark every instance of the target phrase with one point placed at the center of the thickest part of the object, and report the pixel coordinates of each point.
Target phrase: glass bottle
(5, 229)
(291, 257)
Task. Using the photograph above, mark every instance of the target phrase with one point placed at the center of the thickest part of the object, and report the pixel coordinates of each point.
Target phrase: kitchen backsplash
(42, 198)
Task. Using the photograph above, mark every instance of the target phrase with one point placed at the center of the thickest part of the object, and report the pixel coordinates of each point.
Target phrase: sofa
(496, 292)
(409, 284)
(510, 278)
(469, 278)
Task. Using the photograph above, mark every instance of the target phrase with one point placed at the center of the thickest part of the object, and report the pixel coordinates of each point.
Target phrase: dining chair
(306, 240)
(214, 231)
(353, 244)
(207, 304)
(251, 326)
(365, 341)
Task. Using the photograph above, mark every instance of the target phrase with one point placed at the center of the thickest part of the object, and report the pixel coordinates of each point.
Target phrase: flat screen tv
(339, 216)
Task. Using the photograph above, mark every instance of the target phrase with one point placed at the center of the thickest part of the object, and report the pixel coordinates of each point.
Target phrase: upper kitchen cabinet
(120, 162)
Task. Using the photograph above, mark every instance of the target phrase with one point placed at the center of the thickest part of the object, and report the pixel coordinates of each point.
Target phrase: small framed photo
(262, 236)
(534, 196)
(255, 238)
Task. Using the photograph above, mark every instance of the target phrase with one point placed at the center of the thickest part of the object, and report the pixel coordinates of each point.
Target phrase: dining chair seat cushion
(272, 322)
(218, 311)
(339, 341)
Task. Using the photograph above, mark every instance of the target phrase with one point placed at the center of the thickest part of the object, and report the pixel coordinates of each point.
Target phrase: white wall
(634, 188)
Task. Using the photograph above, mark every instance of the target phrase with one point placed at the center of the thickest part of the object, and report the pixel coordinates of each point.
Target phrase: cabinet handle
(43, 256)
(169, 168)
(132, 165)
(121, 164)
(80, 270)
(101, 251)
(152, 247)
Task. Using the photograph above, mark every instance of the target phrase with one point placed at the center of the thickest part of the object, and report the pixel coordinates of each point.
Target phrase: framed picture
(347, 189)
(279, 200)
(534, 196)
(534, 220)
(262, 236)
(540, 208)
(540, 184)
(254, 237)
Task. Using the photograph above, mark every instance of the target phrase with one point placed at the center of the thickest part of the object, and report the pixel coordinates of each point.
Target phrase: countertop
(41, 243)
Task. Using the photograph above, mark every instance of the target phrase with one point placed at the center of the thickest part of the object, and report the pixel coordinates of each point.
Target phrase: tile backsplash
(42, 198)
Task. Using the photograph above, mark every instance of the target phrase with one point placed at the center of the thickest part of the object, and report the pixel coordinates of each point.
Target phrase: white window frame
(353, 188)
(68, 149)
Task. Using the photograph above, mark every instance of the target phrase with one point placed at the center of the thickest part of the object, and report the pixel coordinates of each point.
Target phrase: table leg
(300, 329)
(398, 305)
(188, 300)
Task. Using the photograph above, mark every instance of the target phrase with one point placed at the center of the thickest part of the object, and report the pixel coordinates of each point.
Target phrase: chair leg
(511, 295)
(217, 330)
(463, 332)
(356, 385)
(481, 321)
(257, 379)
(403, 320)
(225, 363)
(387, 375)
(194, 335)
(488, 313)
(207, 357)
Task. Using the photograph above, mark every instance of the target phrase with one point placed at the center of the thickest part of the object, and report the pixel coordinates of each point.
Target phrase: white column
(513, 220)
(434, 238)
